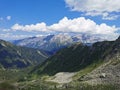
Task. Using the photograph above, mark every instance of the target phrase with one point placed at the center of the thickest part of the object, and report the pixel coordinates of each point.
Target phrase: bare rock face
(108, 73)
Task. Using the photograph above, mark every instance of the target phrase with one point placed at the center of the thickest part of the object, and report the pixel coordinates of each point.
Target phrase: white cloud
(32, 27)
(8, 17)
(77, 25)
(96, 7)
(6, 30)
(82, 25)
(10, 36)
(110, 16)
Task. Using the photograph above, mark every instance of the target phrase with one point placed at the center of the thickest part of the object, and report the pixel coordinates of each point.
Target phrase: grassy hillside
(78, 57)
(15, 56)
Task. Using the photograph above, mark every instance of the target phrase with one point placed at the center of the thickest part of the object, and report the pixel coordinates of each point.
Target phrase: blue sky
(44, 16)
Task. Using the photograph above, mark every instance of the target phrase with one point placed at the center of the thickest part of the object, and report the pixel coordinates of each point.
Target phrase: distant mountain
(53, 43)
(16, 56)
(79, 56)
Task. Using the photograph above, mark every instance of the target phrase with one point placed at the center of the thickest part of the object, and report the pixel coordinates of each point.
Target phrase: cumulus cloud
(32, 27)
(105, 8)
(82, 25)
(76, 25)
(8, 17)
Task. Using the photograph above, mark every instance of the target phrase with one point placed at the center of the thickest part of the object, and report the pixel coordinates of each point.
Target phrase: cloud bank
(82, 25)
(77, 25)
(105, 8)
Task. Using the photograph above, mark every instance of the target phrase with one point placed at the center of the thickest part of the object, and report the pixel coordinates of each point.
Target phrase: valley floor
(17, 80)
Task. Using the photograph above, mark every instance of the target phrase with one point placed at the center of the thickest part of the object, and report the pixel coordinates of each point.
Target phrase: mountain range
(53, 43)
(80, 56)
(78, 66)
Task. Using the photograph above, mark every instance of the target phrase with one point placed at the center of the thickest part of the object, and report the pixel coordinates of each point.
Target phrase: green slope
(15, 56)
(78, 57)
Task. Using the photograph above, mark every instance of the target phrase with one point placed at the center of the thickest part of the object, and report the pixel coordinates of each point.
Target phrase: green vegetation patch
(7, 86)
